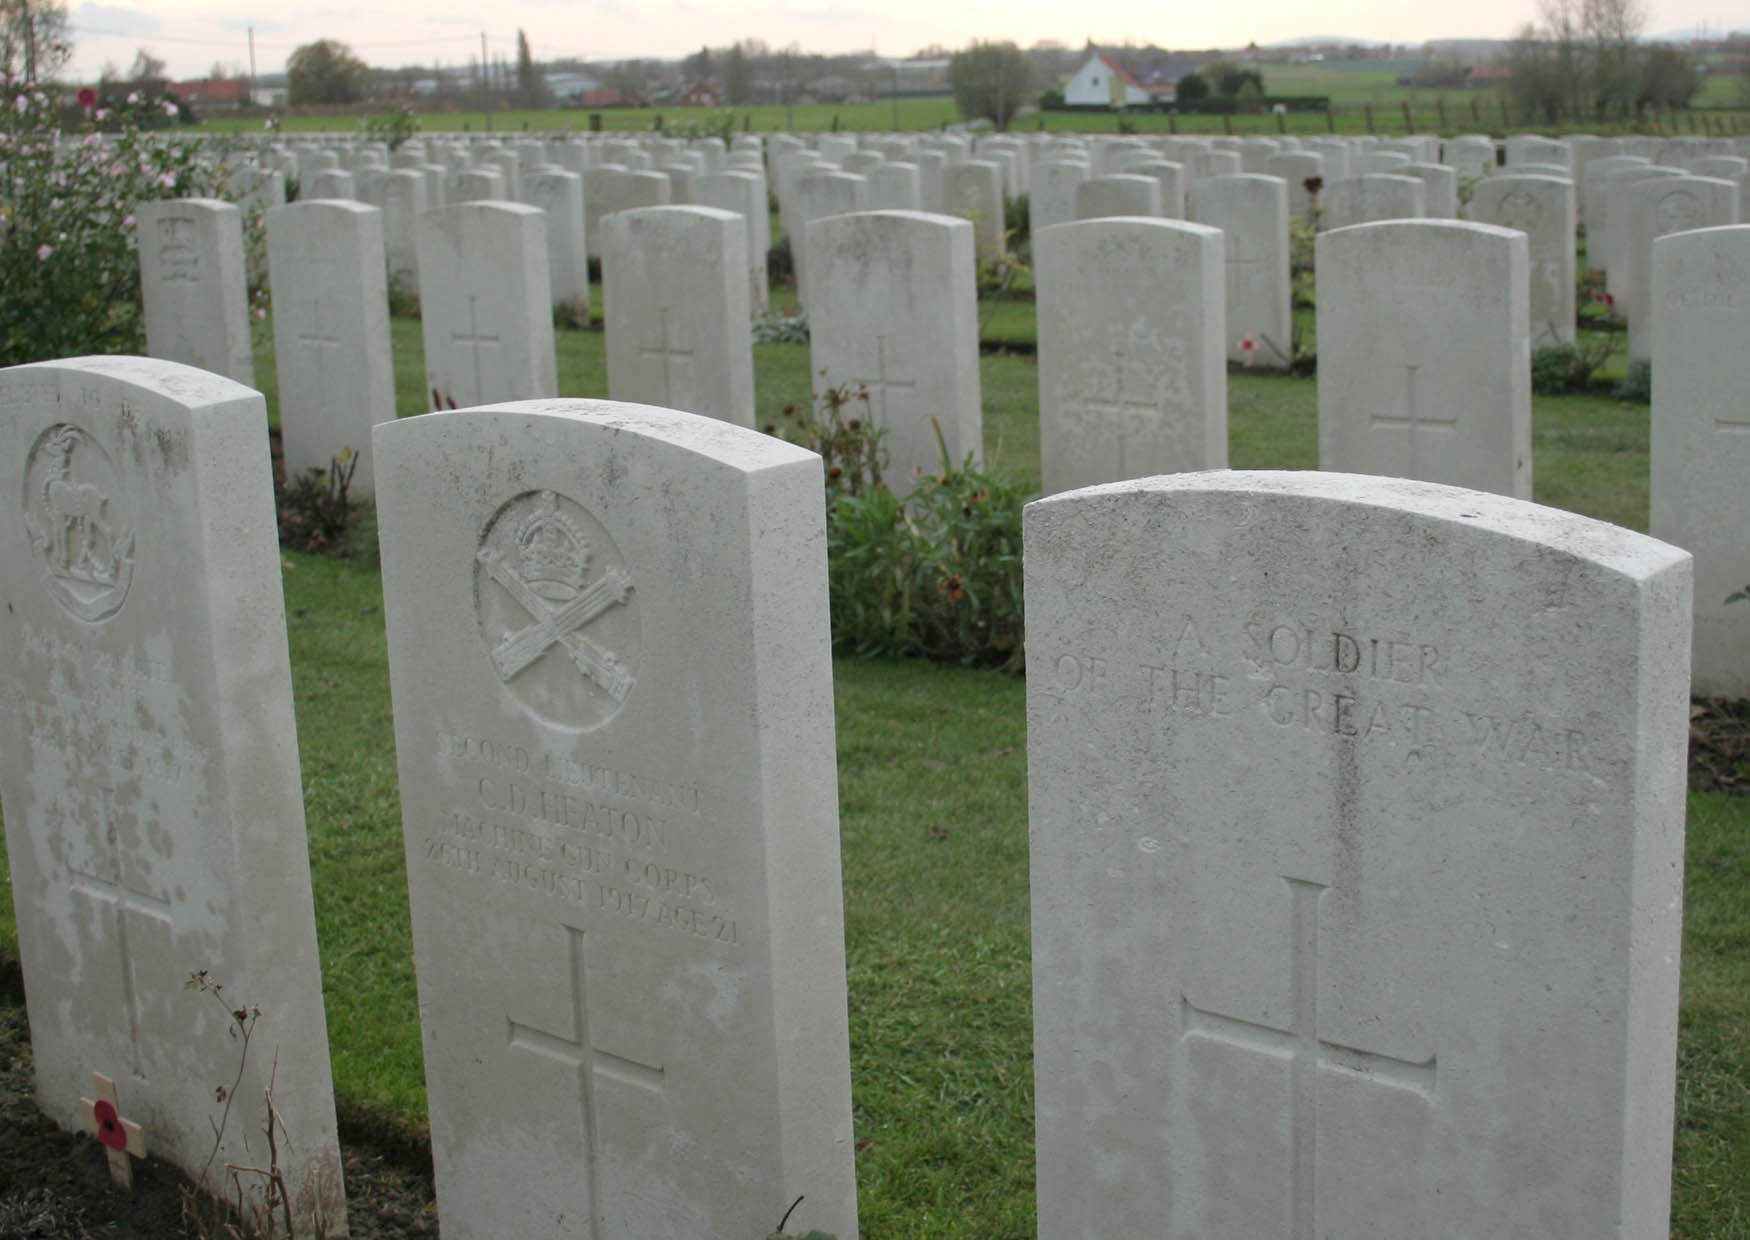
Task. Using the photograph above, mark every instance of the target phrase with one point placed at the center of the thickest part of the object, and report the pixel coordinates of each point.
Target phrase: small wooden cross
(120, 1137)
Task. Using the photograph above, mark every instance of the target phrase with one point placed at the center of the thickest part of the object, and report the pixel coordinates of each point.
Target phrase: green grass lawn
(933, 816)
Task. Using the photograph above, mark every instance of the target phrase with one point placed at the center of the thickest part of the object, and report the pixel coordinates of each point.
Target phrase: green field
(932, 807)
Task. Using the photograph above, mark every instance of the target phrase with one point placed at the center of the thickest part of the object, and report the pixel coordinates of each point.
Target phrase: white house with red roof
(1103, 82)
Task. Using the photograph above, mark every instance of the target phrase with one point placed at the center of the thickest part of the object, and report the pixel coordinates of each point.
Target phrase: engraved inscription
(557, 610)
(476, 340)
(676, 393)
(1678, 211)
(1520, 210)
(882, 385)
(579, 1052)
(1112, 407)
(317, 347)
(78, 525)
(1414, 420)
(1307, 1053)
(126, 906)
(178, 261)
(1280, 677)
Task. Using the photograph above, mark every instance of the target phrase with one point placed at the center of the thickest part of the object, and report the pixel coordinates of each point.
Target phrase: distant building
(1103, 82)
(700, 95)
(215, 95)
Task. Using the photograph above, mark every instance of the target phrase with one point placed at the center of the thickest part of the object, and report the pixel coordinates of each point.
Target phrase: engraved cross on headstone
(670, 354)
(881, 384)
(1733, 426)
(125, 903)
(317, 344)
(476, 341)
(1415, 420)
(579, 1052)
(1307, 1053)
(1125, 414)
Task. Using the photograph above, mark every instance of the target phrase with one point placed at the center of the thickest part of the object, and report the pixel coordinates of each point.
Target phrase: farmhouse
(1103, 82)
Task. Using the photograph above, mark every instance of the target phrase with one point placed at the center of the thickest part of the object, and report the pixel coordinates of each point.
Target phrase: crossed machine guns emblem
(552, 587)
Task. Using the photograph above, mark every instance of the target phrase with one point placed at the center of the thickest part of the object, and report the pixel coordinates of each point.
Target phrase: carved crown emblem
(553, 552)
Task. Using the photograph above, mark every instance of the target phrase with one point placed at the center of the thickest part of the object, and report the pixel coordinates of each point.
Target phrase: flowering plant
(69, 257)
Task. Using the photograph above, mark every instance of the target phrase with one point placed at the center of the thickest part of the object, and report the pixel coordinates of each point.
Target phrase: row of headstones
(1356, 818)
(1542, 205)
(1425, 331)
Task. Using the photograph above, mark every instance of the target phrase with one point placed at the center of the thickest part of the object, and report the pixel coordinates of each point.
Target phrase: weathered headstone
(328, 183)
(560, 195)
(486, 304)
(974, 191)
(817, 196)
(1543, 209)
(194, 285)
(744, 192)
(1372, 198)
(1357, 854)
(1052, 198)
(1594, 205)
(1657, 207)
(1131, 382)
(675, 283)
(1118, 194)
(149, 765)
(1701, 436)
(1252, 211)
(1424, 330)
(331, 334)
(609, 652)
(1440, 184)
(895, 187)
(895, 314)
(1617, 187)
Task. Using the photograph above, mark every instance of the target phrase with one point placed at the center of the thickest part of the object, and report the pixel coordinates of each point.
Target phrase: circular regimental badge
(558, 612)
(78, 522)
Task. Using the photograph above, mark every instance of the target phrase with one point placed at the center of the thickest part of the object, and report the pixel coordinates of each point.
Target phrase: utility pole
(252, 64)
(29, 43)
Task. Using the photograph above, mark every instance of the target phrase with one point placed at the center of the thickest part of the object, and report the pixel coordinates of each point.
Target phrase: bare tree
(33, 40)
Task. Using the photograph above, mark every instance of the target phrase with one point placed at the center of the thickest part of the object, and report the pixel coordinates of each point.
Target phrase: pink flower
(43, 251)
(169, 108)
(168, 180)
(128, 222)
(133, 96)
(260, 313)
(21, 105)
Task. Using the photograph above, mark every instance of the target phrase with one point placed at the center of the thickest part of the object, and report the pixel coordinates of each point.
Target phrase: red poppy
(87, 97)
(109, 1125)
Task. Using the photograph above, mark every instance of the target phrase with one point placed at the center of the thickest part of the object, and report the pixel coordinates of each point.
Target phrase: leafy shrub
(937, 573)
(1637, 386)
(1563, 368)
(775, 328)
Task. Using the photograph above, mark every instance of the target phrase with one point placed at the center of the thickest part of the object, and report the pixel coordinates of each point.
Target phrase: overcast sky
(190, 35)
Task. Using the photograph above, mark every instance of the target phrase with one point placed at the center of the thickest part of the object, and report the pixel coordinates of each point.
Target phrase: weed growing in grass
(264, 1202)
(403, 297)
(316, 506)
(776, 328)
(849, 443)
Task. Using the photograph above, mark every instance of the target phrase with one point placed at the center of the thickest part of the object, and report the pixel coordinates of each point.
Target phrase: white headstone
(1374, 197)
(974, 191)
(486, 304)
(149, 766)
(609, 651)
(1543, 209)
(675, 283)
(560, 195)
(1594, 206)
(331, 334)
(1052, 198)
(194, 285)
(1424, 330)
(1441, 186)
(1118, 194)
(895, 313)
(1131, 382)
(1701, 436)
(744, 192)
(1172, 182)
(1252, 210)
(478, 185)
(819, 195)
(328, 183)
(895, 187)
(1655, 208)
(1357, 852)
(1618, 185)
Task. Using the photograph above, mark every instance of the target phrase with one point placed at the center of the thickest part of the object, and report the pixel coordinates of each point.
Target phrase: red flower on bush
(87, 97)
